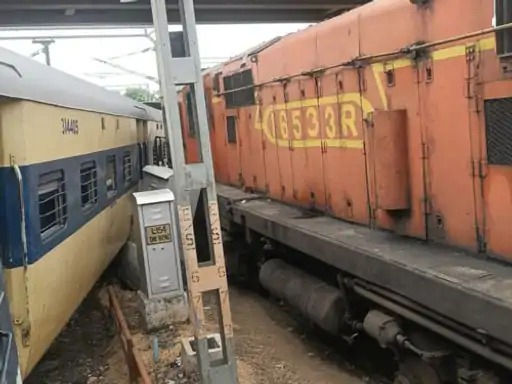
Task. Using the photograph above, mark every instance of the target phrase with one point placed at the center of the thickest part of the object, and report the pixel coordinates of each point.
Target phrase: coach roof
(27, 79)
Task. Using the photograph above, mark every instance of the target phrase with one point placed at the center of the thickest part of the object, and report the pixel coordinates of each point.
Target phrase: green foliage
(141, 94)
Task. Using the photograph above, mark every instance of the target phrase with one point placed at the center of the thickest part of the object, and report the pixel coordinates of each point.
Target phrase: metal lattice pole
(205, 277)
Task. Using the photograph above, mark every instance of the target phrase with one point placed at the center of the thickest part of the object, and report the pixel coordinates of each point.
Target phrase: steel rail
(136, 368)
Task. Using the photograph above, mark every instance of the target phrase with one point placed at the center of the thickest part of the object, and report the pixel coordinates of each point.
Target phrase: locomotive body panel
(394, 117)
(309, 133)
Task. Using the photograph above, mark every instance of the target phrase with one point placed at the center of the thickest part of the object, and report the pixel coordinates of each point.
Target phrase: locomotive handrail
(358, 61)
(418, 47)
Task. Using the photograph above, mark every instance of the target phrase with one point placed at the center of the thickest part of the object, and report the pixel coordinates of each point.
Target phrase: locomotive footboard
(455, 294)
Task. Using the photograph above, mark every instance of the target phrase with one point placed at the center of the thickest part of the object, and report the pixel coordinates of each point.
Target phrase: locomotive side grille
(498, 122)
(239, 89)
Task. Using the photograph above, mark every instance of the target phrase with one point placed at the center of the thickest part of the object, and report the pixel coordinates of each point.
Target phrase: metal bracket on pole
(205, 277)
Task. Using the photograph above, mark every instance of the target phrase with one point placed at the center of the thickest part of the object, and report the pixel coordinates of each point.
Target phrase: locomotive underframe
(446, 290)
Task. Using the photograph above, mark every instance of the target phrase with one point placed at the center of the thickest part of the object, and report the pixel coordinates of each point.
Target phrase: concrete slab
(189, 355)
(159, 313)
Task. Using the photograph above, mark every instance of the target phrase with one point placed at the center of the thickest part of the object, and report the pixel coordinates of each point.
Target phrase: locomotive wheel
(416, 371)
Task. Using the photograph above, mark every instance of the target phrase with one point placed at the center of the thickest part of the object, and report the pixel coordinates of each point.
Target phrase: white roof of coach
(27, 79)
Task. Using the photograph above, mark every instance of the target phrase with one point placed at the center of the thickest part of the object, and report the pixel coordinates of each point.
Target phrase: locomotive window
(504, 38)
(127, 167)
(231, 129)
(88, 184)
(192, 122)
(190, 115)
(216, 83)
(239, 89)
(52, 203)
(110, 178)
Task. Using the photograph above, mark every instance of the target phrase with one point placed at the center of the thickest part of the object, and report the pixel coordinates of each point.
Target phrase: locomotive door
(394, 92)
(266, 124)
(280, 117)
(313, 171)
(445, 109)
(343, 155)
(496, 171)
(251, 150)
(219, 141)
(297, 137)
(232, 148)
(244, 148)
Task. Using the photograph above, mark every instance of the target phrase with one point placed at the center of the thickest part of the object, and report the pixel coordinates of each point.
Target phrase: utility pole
(209, 277)
(46, 48)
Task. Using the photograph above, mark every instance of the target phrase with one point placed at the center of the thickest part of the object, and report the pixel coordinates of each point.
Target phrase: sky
(76, 56)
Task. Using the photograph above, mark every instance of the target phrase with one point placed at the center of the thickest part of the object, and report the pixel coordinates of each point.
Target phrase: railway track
(104, 344)
(136, 368)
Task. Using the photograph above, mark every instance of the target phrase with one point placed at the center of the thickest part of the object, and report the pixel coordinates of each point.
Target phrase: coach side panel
(78, 169)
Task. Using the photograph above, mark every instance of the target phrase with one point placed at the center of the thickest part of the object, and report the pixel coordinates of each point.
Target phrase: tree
(140, 94)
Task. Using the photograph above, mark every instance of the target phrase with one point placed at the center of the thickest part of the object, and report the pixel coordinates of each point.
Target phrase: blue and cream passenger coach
(71, 154)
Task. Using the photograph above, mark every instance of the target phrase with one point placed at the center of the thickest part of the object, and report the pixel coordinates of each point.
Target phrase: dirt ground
(272, 347)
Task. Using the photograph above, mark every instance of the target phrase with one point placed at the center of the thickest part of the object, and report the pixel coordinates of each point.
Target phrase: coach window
(231, 129)
(88, 184)
(127, 167)
(504, 37)
(110, 178)
(52, 202)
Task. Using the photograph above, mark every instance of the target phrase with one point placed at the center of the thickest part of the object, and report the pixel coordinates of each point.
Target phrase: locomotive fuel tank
(316, 300)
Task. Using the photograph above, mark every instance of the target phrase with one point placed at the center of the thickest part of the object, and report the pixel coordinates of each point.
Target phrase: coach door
(142, 140)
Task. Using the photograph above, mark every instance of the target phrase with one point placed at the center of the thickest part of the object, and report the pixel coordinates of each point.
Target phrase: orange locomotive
(396, 116)
(392, 141)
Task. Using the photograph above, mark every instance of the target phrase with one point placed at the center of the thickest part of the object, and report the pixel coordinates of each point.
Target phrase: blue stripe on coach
(11, 249)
